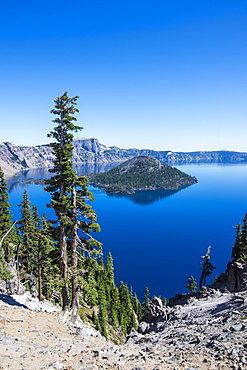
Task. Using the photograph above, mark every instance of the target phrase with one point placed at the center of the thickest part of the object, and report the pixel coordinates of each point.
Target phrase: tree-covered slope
(141, 173)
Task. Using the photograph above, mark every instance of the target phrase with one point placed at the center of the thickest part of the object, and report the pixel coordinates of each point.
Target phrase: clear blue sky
(159, 74)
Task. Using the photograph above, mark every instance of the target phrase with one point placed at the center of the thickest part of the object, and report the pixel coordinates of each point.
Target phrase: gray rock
(155, 311)
(14, 349)
(143, 327)
(237, 327)
(56, 366)
(236, 274)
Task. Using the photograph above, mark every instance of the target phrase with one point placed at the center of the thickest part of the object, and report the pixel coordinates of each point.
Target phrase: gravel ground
(191, 339)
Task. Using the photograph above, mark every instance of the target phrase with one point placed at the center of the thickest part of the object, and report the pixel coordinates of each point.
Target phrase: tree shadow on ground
(10, 300)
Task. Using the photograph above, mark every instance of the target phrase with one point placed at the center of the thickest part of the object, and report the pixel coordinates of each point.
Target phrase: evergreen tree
(4, 272)
(114, 309)
(90, 290)
(164, 301)
(207, 268)
(68, 201)
(113, 303)
(90, 267)
(102, 320)
(239, 249)
(110, 269)
(191, 284)
(244, 238)
(146, 299)
(95, 321)
(137, 307)
(43, 255)
(34, 238)
(146, 296)
(127, 315)
(26, 229)
(103, 306)
(8, 235)
(36, 255)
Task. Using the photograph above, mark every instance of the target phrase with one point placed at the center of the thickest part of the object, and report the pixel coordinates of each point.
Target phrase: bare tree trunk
(64, 268)
(6, 234)
(18, 268)
(74, 258)
(39, 274)
(203, 277)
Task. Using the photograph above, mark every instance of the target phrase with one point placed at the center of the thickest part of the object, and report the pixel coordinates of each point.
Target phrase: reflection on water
(144, 197)
(18, 181)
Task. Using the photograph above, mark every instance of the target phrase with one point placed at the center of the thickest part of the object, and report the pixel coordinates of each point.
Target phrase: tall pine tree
(7, 231)
(26, 228)
(73, 213)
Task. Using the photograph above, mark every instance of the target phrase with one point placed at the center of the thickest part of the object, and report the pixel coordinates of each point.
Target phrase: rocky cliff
(14, 158)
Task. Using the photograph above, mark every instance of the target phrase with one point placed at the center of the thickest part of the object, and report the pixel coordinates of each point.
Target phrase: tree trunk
(74, 257)
(202, 278)
(39, 274)
(63, 254)
(18, 268)
(64, 268)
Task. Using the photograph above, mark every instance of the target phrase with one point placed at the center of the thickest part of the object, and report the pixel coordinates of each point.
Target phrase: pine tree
(127, 317)
(90, 267)
(191, 284)
(102, 320)
(43, 255)
(36, 253)
(95, 321)
(146, 296)
(26, 229)
(34, 244)
(68, 201)
(114, 309)
(103, 306)
(238, 248)
(136, 306)
(110, 269)
(207, 267)
(244, 239)
(113, 303)
(8, 237)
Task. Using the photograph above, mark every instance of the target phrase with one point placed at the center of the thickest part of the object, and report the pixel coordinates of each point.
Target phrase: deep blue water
(157, 238)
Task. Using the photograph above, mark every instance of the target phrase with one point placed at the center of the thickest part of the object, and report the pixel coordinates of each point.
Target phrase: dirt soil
(39, 340)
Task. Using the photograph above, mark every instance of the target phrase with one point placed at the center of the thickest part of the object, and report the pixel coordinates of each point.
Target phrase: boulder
(234, 279)
(155, 311)
(237, 276)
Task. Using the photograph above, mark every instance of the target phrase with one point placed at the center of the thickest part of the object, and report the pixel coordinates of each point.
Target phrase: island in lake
(141, 173)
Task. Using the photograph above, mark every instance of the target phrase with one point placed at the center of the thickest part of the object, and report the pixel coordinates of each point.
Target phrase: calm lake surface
(157, 237)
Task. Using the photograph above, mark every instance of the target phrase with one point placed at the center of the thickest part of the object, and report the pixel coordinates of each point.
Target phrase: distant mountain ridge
(15, 158)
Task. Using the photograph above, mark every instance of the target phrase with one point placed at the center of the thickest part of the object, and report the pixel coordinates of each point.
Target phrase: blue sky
(160, 74)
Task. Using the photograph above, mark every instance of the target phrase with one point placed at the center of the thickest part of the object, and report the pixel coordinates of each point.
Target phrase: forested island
(141, 173)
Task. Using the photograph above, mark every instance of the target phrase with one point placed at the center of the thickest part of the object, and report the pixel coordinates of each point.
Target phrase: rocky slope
(207, 333)
(14, 158)
(206, 330)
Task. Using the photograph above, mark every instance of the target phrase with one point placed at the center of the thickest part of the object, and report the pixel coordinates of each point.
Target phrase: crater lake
(157, 238)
